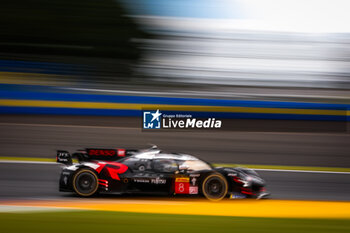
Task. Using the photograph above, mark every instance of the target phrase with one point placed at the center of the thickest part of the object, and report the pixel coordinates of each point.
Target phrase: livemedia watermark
(156, 119)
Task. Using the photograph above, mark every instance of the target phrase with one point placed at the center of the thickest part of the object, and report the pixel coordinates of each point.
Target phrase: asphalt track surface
(40, 136)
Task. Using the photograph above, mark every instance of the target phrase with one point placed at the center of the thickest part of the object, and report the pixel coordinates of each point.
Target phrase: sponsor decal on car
(65, 180)
(158, 181)
(193, 185)
(105, 154)
(121, 152)
(237, 196)
(152, 181)
(141, 181)
(193, 181)
(63, 156)
(182, 185)
(101, 152)
(182, 179)
(193, 190)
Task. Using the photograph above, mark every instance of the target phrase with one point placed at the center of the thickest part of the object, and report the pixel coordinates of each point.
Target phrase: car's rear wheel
(85, 183)
(214, 187)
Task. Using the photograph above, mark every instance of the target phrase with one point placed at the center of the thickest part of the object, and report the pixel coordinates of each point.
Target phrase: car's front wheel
(214, 187)
(85, 183)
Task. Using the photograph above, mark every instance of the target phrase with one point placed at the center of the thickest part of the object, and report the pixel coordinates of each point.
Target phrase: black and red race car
(155, 172)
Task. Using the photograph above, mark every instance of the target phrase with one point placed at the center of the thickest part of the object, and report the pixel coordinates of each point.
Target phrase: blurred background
(77, 74)
(233, 48)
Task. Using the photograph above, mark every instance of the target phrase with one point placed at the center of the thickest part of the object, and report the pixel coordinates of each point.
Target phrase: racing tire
(85, 183)
(214, 187)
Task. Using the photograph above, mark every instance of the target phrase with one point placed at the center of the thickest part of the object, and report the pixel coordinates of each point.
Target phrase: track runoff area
(174, 214)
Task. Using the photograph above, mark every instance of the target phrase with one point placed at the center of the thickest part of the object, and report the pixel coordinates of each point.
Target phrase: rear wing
(64, 157)
(93, 154)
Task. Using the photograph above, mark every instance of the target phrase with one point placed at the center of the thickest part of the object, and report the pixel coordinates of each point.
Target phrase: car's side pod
(64, 157)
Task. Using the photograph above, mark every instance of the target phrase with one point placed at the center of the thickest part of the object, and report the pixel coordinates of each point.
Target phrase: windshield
(195, 165)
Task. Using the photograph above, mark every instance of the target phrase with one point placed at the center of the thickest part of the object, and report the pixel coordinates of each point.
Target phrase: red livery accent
(101, 152)
(113, 169)
(246, 191)
(103, 182)
(101, 166)
(117, 169)
(237, 180)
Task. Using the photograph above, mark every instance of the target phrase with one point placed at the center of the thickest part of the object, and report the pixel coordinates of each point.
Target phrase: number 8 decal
(181, 187)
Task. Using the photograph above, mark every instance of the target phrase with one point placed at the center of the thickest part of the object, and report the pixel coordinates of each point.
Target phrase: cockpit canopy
(164, 162)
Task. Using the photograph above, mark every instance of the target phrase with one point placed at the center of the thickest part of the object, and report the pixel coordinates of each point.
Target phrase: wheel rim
(85, 183)
(215, 188)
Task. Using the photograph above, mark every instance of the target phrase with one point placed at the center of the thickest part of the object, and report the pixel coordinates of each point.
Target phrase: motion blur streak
(243, 208)
(262, 43)
(100, 105)
(77, 74)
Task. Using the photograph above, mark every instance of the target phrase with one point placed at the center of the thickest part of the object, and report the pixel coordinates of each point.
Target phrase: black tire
(214, 187)
(85, 183)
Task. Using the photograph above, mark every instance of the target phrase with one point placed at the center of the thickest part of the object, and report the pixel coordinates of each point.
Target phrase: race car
(152, 171)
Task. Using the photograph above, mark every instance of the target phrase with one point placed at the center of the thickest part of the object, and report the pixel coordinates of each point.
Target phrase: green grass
(101, 221)
(252, 166)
